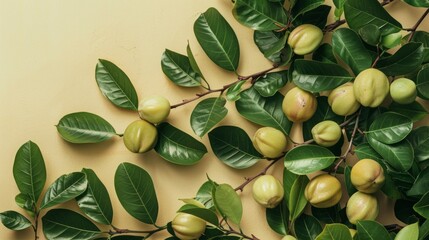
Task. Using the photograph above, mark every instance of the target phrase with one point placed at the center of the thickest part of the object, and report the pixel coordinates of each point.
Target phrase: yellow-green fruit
(367, 176)
(323, 191)
(342, 100)
(371, 87)
(361, 206)
(154, 109)
(403, 91)
(187, 226)
(267, 191)
(299, 105)
(305, 39)
(288, 237)
(269, 141)
(326, 133)
(392, 40)
(140, 136)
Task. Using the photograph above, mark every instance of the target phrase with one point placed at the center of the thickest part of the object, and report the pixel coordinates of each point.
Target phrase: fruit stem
(231, 230)
(117, 231)
(263, 172)
(413, 30)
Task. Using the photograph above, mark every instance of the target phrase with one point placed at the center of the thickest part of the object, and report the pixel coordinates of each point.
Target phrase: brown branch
(263, 172)
(413, 30)
(231, 230)
(117, 231)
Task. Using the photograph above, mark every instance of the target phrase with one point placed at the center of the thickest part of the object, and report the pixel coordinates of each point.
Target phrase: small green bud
(140, 136)
(403, 91)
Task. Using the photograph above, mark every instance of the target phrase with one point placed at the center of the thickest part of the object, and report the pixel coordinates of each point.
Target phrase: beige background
(48, 53)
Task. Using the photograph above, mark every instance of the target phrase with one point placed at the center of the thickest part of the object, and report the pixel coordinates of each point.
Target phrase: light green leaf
(260, 15)
(371, 230)
(270, 83)
(405, 60)
(297, 200)
(390, 128)
(14, 220)
(207, 114)
(228, 203)
(178, 69)
(399, 155)
(307, 159)
(335, 231)
(409, 232)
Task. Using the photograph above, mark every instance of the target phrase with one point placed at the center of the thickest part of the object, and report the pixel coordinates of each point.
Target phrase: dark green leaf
(415, 111)
(418, 3)
(269, 84)
(25, 202)
(302, 7)
(404, 211)
(399, 155)
(370, 34)
(204, 194)
(419, 139)
(324, 53)
(233, 92)
(367, 116)
(203, 213)
(66, 224)
(29, 170)
(421, 184)
(288, 181)
(335, 231)
(278, 218)
(424, 230)
(422, 37)
(349, 186)
(14, 220)
(364, 150)
(115, 85)
(95, 201)
(410, 232)
(178, 69)
(423, 82)
(327, 215)
(233, 147)
(371, 230)
(135, 190)
(314, 76)
(390, 128)
(260, 15)
(65, 188)
(177, 146)
(317, 17)
(228, 203)
(268, 42)
(403, 180)
(217, 39)
(207, 114)
(406, 60)
(307, 227)
(84, 127)
(192, 61)
(307, 159)
(422, 206)
(297, 200)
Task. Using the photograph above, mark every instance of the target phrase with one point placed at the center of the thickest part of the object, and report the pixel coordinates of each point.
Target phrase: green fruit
(371, 87)
(267, 191)
(361, 206)
(187, 226)
(326, 133)
(299, 105)
(140, 136)
(288, 237)
(154, 109)
(323, 191)
(269, 141)
(342, 100)
(305, 39)
(403, 91)
(392, 40)
(367, 176)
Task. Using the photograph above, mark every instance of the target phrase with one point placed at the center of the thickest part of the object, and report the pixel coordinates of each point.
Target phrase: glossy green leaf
(228, 203)
(418, 3)
(95, 201)
(370, 34)
(217, 39)
(233, 92)
(65, 188)
(178, 68)
(364, 150)
(29, 170)
(327, 215)
(307, 159)
(422, 37)
(84, 127)
(66, 224)
(371, 230)
(324, 53)
(420, 185)
(297, 200)
(288, 181)
(260, 15)
(307, 227)
(399, 155)
(415, 111)
(203, 213)
(115, 85)
(317, 16)
(25, 202)
(278, 218)
(314, 76)
(302, 7)
(14, 220)
(390, 128)
(406, 60)
(269, 42)
(347, 180)
(359, 13)
(367, 116)
(233, 147)
(422, 83)
(422, 206)
(207, 114)
(335, 231)
(424, 230)
(121, 237)
(419, 139)
(404, 211)
(135, 191)
(204, 194)
(263, 111)
(349, 47)
(403, 180)
(192, 61)
(270, 83)
(410, 232)
(178, 147)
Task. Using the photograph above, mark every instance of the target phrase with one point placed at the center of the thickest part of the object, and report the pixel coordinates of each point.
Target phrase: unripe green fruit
(288, 237)
(154, 109)
(140, 136)
(269, 141)
(361, 206)
(326, 133)
(305, 39)
(367, 176)
(403, 91)
(323, 191)
(342, 100)
(267, 191)
(187, 226)
(299, 105)
(392, 40)
(371, 87)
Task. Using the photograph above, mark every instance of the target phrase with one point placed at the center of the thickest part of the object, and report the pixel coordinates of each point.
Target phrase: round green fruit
(269, 141)
(326, 133)
(403, 91)
(154, 109)
(361, 206)
(392, 40)
(342, 100)
(187, 226)
(305, 38)
(289, 237)
(323, 191)
(140, 136)
(299, 105)
(267, 191)
(367, 176)
(371, 87)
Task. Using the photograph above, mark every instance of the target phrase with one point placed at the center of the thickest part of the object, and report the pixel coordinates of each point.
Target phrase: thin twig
(263, 172)
(117, 231)
(413, 30)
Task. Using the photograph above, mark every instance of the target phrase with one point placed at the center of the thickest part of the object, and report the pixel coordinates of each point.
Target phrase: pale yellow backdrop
(48, 53)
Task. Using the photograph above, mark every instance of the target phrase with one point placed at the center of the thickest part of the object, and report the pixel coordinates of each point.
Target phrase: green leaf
(418, 3)
(404, 211)
(410, 232)
(422, 37)
(14, 220)
(217, 39)
(370, 34)
(348, 46)
(347, 180)
(406, 60)
(358, 14)
(178, 68)
(233, 147)
(390, 128)
(84, 127)
(419, 139)
(228, 203)
(288, 181)
(307, 159)
(297, 200)
(135, 190)
(269, 42)
(335, 231)
(177, 146)
(115, 85)
(419, 187)
(263, 111)
(95, 201)
(233, 92)
(371, 230)
(25, 202)
(260, 15)
(66, 224)
(422, 83)
(314, 76)
(192, 61)
(415, 111)
(403, 180)
(270, 83)
(207, 114)
(307, 227)
(204, 194)
(317, 16)
(324, 53)
(203, 213)
(29, 170)
(422, 206)
(424, 230)
(302, 7)
(399, 155)
(65, 188)
(327, 215)
(278, 218)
